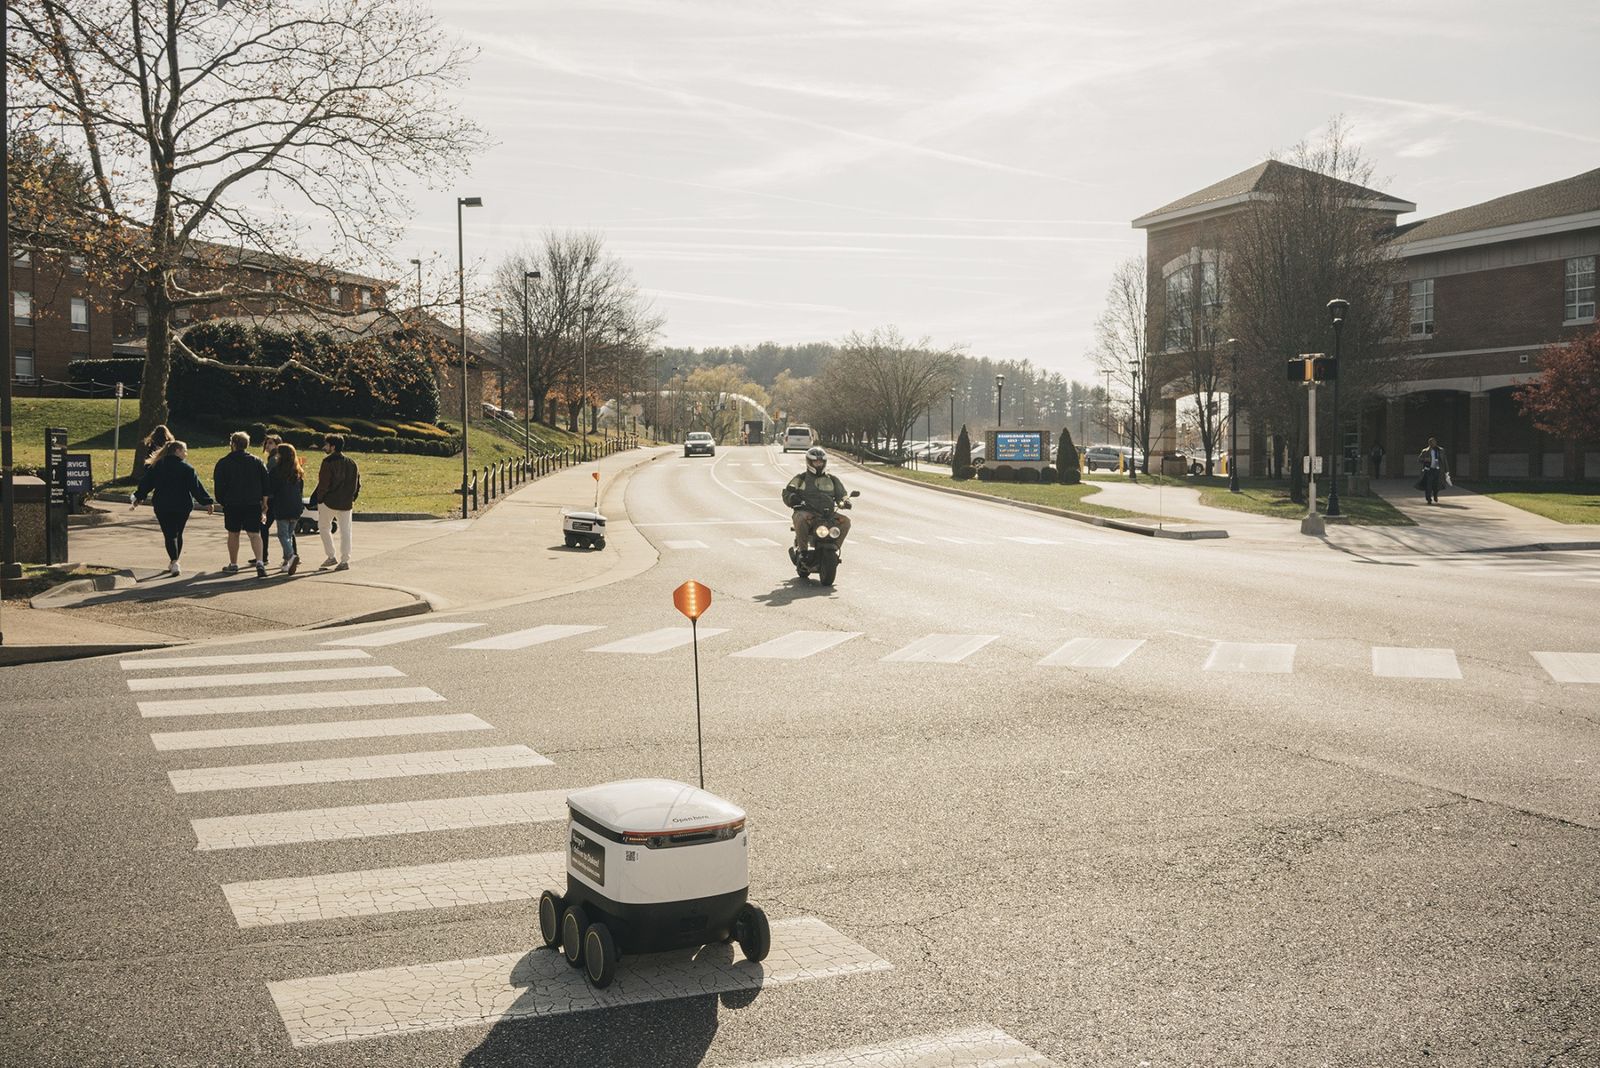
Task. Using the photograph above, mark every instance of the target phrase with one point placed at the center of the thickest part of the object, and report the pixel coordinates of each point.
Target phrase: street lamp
(1233, 416)
(527, 365)
(952, 413)
(999, 391)
(1336, 311)
(583, 399)
(1133, 431)
(461, 286)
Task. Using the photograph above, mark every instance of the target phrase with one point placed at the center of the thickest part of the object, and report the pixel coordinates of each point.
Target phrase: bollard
(473, 489)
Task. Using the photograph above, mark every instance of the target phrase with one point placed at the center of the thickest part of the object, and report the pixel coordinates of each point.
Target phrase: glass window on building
(181, 314)
(23, 360)
(141, 316)
(77, 264)
(364, 297)
(22, 308)
(1422, 308)
(333, 295)
(1580, 289)
(1180, 289)
(22, 258)
(80, 313)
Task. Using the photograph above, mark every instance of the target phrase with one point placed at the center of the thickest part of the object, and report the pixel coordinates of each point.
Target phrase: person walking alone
(269, 456)
(1433, 469)
(176, 487)
(1376, 456)
(286, 476)
(338, 486)
(240, 483)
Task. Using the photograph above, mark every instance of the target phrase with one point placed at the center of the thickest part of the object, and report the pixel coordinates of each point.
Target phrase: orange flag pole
(692, 599)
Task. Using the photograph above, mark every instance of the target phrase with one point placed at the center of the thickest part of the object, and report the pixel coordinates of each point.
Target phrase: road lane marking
(379, 891)
(283, 734)
(355, 769)
(970, 1047)
(897, 539)
(656, 641)
(241, 659)
(758, 543)
(402, 634)
(941, 648)
(486, 990)
(963, 541)
(1571, 667)
(522, 639)
(719, 522)
(1093, 652)
(1032, 541)
(1396, 663)
(798, 645)
(377, 821)
(265, 678)
(1269, 657)
(288, 702)
(685, 544)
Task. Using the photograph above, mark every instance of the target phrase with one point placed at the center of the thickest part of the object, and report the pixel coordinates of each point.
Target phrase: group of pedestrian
(259, 496)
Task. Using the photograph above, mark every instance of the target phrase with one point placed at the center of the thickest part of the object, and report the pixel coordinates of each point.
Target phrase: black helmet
(816, 459)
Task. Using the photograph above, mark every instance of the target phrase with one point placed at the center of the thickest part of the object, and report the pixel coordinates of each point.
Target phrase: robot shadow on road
(661, 1034)
(793, 590)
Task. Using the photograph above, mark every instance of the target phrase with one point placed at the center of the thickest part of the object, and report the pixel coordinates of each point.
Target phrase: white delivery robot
(583, 529)
(652, 865)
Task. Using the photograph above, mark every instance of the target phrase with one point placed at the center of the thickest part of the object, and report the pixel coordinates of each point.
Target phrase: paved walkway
(511, 553)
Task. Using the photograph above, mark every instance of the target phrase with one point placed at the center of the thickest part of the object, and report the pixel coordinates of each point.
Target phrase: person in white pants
(338, 486)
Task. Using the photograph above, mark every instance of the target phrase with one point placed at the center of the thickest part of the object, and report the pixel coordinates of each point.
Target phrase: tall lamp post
(1133, 432)
(952, 413)
(500, 353)
(461, 300)
(1336, 311)
(527, 364)
(672, 376)
(1233, 416)
(999, 392)
(584, 407)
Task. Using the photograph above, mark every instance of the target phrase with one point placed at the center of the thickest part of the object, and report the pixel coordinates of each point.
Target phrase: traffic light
(1313, 367)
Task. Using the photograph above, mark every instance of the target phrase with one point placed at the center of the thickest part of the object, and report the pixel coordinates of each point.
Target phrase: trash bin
(41, 531)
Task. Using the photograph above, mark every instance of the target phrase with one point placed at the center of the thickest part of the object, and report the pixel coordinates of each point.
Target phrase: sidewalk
(397, 569)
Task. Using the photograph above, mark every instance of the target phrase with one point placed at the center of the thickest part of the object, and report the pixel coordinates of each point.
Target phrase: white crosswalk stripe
(468, 993)
(376, 821)
(798, 645)
(402, 634)
(940, 648)
(1268, 657)
(685, 543)
(1395, 663)
(378, 891)
(241, 659)
(283, 734)
(970, 1047)
(289, 702)
(1093, 652)
(264, 678)
(1571, 667)
(657, 641)
(522, 639)
(355, 769)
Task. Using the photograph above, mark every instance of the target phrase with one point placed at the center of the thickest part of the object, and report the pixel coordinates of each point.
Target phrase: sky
(967, 172)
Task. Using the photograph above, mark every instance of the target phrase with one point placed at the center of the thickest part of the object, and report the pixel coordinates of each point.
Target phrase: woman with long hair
(269, 456)
(155, 442)
(176, 488)
(287, 480)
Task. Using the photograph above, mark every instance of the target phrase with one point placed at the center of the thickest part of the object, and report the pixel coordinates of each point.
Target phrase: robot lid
(653, 806)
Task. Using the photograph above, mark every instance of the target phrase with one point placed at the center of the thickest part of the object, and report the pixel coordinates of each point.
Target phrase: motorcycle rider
(812, 494)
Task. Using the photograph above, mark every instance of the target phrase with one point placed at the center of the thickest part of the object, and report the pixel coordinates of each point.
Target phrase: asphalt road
(1322, 859)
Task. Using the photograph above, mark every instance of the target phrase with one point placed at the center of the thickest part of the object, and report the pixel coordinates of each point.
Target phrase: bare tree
(1121, 343)
(898, 380)
(222, 137)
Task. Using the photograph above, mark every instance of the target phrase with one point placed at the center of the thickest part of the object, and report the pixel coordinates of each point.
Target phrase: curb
(1187, 534)
(1540, 547)
(40, 654)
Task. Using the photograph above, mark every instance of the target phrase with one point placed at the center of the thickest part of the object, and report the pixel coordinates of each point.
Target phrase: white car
(798, 437)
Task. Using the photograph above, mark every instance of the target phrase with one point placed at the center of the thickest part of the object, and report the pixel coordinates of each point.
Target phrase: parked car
(699, 443)
(1110, 457)
(798, 437)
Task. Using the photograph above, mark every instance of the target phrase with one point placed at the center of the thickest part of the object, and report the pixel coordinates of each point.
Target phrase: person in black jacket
(240, 481)
(176, 487)
(287, 478)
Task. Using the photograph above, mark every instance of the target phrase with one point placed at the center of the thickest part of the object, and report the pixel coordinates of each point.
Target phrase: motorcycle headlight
(822, 531)
(834, 531)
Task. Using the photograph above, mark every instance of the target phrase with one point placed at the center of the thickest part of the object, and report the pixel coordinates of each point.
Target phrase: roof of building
(1570, 196)
(1260, 180)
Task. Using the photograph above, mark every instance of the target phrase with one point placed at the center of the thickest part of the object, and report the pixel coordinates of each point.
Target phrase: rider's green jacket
(813, 493)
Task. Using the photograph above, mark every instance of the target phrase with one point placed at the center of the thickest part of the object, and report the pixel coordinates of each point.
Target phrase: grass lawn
(1565, 502)
(1271, 497)
(36, 578)
(390, 482)
(1071, 498)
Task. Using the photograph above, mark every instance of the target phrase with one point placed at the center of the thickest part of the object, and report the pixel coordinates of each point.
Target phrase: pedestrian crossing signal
(1313, 367)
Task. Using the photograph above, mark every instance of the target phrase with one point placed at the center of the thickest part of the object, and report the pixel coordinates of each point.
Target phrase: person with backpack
(338, 486)
(287, 479)
(176, 487)
(240, 483)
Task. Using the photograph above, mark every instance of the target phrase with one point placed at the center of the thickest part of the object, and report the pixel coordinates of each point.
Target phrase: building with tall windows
(1488, 286)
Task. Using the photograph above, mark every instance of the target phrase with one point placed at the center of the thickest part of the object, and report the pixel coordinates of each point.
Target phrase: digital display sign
(1023, 447)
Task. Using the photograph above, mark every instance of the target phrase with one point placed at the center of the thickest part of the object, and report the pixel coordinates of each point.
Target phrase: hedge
(303, 438)
(1005, 473)
(1029, 475)
(127, 370)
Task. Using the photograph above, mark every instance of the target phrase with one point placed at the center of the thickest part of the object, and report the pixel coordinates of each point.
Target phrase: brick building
(1488, 286)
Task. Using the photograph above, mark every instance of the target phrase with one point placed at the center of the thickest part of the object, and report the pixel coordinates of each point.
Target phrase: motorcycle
(822, 547)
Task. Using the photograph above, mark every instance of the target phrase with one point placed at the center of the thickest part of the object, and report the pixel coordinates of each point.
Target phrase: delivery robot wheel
(574, 922)
(572, 543)
(599, 956)
(753, 933)
(550, 919)
(600, 543)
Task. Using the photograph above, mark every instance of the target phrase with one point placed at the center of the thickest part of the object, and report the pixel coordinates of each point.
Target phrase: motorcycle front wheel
(827, 568)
